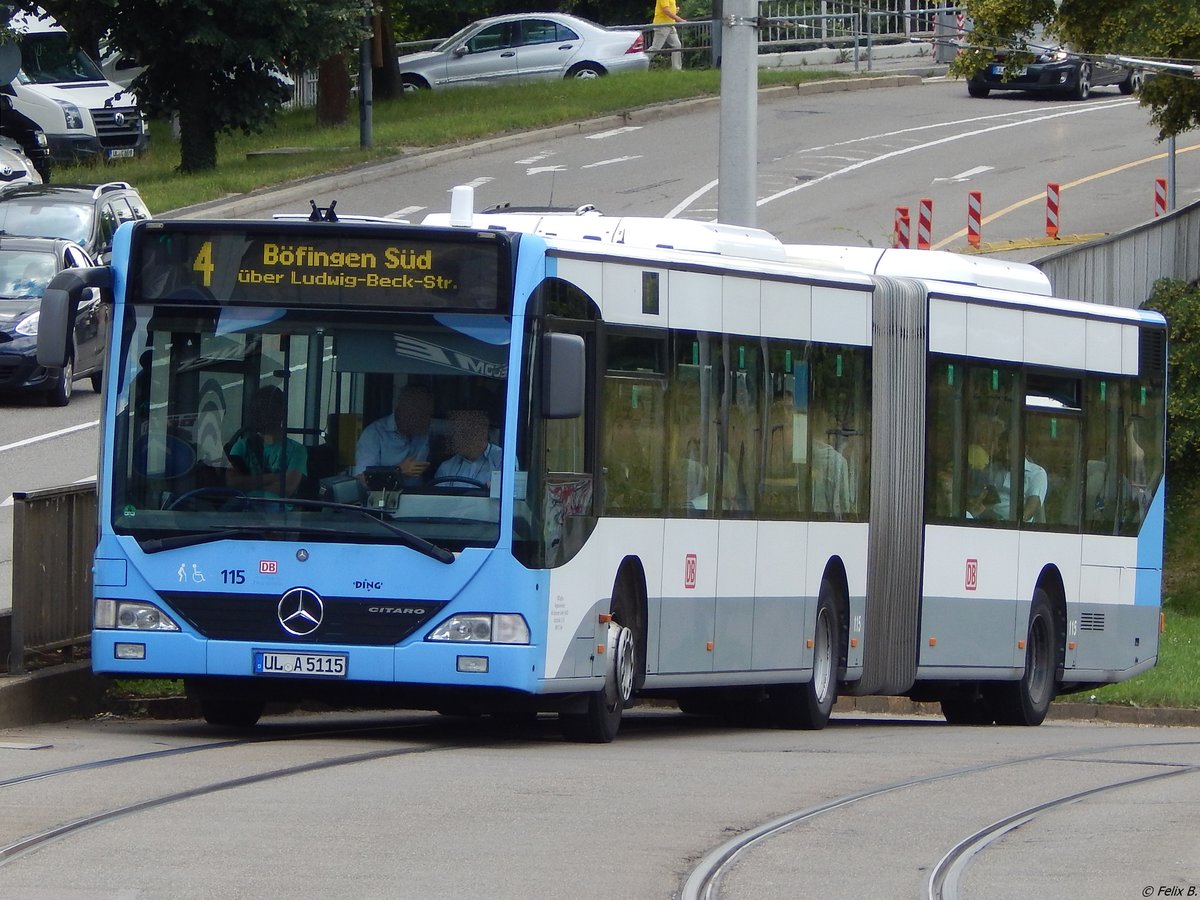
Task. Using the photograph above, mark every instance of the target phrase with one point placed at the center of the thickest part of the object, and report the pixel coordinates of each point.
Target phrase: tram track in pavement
(947, 875)
(705, 879)
(28, 843)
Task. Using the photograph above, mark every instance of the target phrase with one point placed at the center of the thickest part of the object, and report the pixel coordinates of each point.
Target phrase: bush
(1180, 303)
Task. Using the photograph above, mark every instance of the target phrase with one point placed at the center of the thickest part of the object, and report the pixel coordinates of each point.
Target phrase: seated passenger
(399, 439)
(475, 457)
(265, 463)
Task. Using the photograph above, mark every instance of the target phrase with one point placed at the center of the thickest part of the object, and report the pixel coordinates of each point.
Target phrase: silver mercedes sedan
(526, 47)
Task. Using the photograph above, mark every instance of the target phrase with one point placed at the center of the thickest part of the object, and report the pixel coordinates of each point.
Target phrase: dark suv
(87, 214)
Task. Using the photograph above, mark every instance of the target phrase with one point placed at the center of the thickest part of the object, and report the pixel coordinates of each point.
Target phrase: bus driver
(399, 439)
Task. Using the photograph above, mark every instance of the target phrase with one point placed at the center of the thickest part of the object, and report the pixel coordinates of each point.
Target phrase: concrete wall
(1120, 270)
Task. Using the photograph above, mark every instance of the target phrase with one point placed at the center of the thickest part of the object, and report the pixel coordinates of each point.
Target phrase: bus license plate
(308, 665)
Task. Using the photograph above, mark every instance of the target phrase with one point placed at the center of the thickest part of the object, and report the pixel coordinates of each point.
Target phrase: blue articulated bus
(523, 462)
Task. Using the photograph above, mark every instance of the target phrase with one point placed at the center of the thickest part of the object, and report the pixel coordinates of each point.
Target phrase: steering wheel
(462, 481)
(215, 492)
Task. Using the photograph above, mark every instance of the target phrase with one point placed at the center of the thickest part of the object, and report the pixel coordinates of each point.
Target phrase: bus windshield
(294, 424)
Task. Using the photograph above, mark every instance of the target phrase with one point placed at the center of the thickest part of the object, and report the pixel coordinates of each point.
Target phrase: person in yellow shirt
(666, 14)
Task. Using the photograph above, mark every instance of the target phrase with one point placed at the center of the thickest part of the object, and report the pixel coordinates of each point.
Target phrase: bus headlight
(483, 628)
(129, 615)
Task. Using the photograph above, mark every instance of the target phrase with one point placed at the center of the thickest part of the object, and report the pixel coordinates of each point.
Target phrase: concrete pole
(738, 135)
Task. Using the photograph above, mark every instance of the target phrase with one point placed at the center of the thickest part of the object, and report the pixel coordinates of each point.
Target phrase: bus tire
(232, 712)
(966, 705)
(808, 706)
(602, 719)
(1026, 702)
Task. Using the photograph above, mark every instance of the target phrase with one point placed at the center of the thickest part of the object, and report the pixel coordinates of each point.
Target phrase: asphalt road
(832, 167)
(373, 805)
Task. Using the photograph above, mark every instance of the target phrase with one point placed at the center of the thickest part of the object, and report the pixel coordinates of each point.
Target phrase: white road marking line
(609, 162)
(965, 176)
(607, 134)
(478, 182)
(401, 213)
(48, 436)
(1053, 112)
(533, 159)
(538, 170)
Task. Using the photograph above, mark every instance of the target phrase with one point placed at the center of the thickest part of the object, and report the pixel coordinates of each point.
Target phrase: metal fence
(1120, 270)
(788, 25)
(791, 22)
(54, 538)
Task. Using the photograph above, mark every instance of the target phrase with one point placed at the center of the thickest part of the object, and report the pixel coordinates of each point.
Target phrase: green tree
(1179, 302)
(214, 62)
(1161, 30)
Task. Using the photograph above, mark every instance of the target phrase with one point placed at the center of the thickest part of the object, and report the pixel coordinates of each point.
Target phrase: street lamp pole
(738, 131)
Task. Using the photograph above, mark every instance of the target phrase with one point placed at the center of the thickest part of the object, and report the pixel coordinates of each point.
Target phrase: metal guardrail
(787, 25)
(54, 538)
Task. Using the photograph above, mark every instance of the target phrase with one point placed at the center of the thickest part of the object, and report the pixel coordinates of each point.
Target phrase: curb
(1065, 711)
(68, 691)
(301, 191)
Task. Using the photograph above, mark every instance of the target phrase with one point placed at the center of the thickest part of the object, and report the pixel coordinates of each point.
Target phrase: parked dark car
(26, 267)
(1054, 70)
(87, 214)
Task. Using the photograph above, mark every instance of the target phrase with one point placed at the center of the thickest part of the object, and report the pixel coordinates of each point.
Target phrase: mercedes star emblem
(300, 611)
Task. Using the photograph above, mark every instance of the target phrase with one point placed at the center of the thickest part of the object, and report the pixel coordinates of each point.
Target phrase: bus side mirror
(564, 373)
(56, 321)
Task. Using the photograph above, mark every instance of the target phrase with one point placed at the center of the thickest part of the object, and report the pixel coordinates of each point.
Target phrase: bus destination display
(307, 268)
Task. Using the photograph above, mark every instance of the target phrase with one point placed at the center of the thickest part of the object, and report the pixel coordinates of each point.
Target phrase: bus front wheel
(808, 706)
(598, 724)
(232, 712)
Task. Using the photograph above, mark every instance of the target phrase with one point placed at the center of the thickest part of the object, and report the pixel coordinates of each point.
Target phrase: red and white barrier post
(1160, 196)
(1052, 210)
(924, 223)
(900, 228)
(974, 217)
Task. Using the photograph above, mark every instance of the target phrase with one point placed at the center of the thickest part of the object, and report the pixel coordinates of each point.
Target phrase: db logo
(268, 567)
(972, 574)
(689, 571)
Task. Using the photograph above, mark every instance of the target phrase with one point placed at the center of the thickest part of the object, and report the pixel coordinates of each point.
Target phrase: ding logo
(972, 574)
(689, 571)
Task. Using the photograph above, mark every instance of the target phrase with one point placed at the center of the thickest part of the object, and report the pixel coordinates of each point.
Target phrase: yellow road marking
(1042, 196)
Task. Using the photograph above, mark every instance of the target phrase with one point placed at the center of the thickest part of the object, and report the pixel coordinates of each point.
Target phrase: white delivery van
(61, 89)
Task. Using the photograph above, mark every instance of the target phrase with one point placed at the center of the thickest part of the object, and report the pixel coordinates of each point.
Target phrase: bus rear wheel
(808, 706)
(599, 723)
(1027, 701)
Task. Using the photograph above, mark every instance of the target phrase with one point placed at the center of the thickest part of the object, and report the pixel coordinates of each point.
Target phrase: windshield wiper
(410, 540)
(178, 541)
